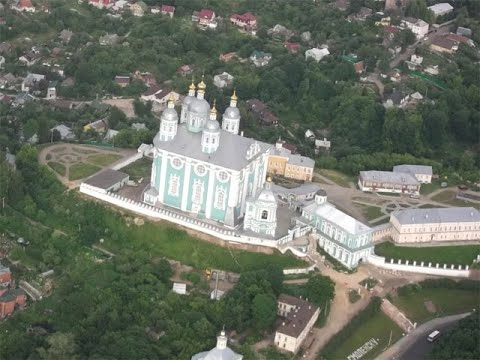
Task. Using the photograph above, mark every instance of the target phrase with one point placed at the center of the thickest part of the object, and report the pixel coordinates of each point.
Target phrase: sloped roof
(437, 215)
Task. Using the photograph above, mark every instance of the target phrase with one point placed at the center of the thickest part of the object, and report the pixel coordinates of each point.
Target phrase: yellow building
(282, 162)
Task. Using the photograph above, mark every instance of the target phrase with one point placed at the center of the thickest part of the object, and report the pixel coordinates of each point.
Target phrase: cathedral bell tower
(211, 133)
(231, 116)
(168, 122)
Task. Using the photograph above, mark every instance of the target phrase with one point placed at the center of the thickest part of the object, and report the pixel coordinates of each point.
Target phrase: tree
(264, 311)
(320, 289)
(61, 346)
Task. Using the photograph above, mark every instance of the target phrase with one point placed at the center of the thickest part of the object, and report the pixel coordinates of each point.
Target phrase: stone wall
(419, 267)
(299, 270)
(175, 217)
(128, 161)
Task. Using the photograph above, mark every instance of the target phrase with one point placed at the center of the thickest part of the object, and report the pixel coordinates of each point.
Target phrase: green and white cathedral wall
(219, 214)
(168, 199)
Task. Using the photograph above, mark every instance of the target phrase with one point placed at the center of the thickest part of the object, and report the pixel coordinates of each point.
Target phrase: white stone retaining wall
(127, 161)
(164, 214)
(299, 270)
(420, 267)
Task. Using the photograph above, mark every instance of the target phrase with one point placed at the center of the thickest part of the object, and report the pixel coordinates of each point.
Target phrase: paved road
(414, 346)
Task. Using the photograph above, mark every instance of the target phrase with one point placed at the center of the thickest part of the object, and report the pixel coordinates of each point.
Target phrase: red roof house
(205, 17)
(292, 47)
(167, 10)
(244, 20)
(23, 5)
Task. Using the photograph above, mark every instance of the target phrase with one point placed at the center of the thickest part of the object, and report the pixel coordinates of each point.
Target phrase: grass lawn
(381, 221)
(162, 239)
(426, 189)
(448, 197)
(82, 170)
(446, 302)
(388, 194)
(457, 255)
(138, 169)
(57, 167)
(370, 212)
(428, 206)
(337, 177)
(378, 327)
(103, 159)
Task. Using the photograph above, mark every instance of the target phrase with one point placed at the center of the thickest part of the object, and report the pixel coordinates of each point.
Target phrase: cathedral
(202, 168)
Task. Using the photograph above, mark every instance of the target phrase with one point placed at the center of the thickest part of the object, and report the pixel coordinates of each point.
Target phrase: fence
(421, 268)
(128, 161)
(299, 270)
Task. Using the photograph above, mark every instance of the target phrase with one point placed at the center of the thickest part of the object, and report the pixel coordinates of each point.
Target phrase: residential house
(282, 162)
(223, 80)
(464, 31)
(120, 5)
(109, 39)
(341, 5)
(361, 15)
(139, 8)
(396, 99)
(316, 54)
(23, 5)
(99, 126)
(415, 62)
(65, 132)
(389, 182)
(441, 9)
(291, 46)
(297, 319)
(52, 90)
(168, 10)
(110, 135)
(385, 21)
(422, 173)
(260, 58)
(2, 62)
(417, 26)
(31, 81)
(8, 81)
(460, 39)
(443, 45)
(66, 36)
(180, 288)
(262, 112)
(5, 276)
(205, 18)
(359, 67)
(5, 47)
(227, 56)
(415, 98)
(247, 22)
(145, 77)
(159, 96)
(139, 126)
(11, 299)
(394, 75)
(122, 81)
(431, 70)
(101, 4)
(155, 10)
(29, 59)
(309, 135)
(185, 70)
(280, 31)
(322, 145)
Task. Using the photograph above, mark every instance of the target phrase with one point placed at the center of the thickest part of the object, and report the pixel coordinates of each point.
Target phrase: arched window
(220, 198)
(173, 185)
(197, 193)
(264, 215)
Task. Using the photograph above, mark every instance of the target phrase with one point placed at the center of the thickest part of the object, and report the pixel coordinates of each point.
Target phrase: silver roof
(293, 159)
(330, 213)
(413, 169)
(389, 177)
(231, 152)
(304, 189)
(169, 114)
(437, 215)
(218, 354)
(232, 113)
(212, 125)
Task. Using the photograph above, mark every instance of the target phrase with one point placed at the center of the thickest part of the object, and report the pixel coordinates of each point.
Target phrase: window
(200, 170)
(220, 198)
(197, 193)
(173, 185)
(176, 163)
(264, 215)
(222, 176)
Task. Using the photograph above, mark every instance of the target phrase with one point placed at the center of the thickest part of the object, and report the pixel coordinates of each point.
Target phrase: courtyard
(72, 163)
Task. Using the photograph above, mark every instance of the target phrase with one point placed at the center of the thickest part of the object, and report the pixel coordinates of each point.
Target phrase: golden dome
(234, 96)
(201, 85)
(192, 86)
(269, 179)
(214, 109)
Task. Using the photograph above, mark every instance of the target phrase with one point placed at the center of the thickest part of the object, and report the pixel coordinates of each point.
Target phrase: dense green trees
(460, 342)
